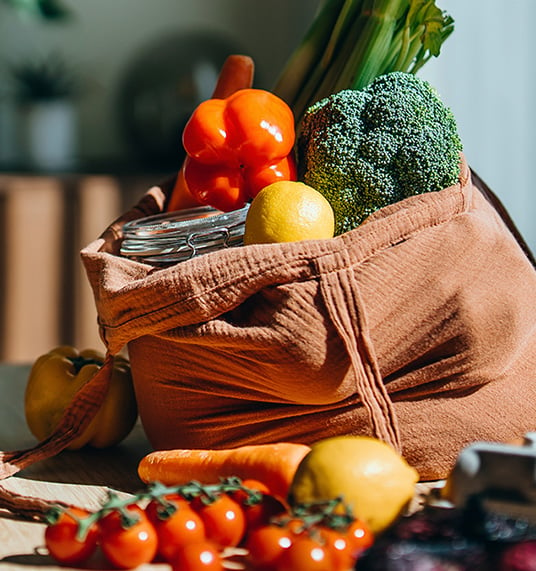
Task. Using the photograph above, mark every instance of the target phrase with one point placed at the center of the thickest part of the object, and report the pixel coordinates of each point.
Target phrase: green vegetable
(365, 149)
(351, 42)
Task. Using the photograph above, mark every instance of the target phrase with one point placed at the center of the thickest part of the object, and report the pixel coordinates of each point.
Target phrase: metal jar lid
(172, 237)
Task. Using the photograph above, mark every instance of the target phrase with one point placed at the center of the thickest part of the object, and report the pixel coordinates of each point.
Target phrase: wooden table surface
(80, 477)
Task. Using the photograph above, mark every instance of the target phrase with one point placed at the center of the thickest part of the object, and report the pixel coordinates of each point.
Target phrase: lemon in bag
(288, 211)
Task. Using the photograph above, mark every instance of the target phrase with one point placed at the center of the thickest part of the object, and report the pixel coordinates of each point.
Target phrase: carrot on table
(272, 464)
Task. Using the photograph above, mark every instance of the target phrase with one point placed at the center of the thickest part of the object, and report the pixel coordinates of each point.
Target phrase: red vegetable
(176, 525)
(236, 146)
(223, 518)
(201, 556)
(128, 538)
(237, 73)
(265, 545)
(63, 539)
(305, 554)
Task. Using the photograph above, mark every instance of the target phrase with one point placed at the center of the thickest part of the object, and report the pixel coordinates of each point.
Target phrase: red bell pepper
(237, 146)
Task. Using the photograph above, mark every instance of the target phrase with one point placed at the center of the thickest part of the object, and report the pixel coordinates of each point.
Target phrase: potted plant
(43, 9)
(45, 90)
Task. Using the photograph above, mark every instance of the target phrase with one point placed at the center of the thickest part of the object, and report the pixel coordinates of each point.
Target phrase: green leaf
(438, 25)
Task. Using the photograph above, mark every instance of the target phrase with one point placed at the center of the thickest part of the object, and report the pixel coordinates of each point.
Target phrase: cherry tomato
(261, 507)
(261, 513)
(305, 554)
(175, 529)
(201, 556)
(242, 497)
(62, 542)
(257, 485)
(127, 546)
(296, 525)
(359, 536)
(340, 547)
(157, 509)
(266, 543)
(224, 519)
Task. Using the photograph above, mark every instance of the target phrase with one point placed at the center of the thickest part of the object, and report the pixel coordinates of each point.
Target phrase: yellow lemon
(287, 211)
(372, 478)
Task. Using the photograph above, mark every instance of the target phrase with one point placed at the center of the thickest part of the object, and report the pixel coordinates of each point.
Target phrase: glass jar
(171, 237)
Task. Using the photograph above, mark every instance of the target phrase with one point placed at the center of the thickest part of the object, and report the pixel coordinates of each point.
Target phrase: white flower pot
(49, 134)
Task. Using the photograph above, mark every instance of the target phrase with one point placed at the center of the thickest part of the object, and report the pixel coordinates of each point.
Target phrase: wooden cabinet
(45, 298)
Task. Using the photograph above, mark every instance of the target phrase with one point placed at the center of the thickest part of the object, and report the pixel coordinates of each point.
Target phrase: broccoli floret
(369, 148)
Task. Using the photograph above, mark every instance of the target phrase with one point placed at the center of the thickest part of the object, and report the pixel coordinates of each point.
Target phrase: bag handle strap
(494, 200)
(345, 308)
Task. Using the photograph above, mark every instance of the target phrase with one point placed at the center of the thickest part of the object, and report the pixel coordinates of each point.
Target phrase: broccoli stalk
(351, 42)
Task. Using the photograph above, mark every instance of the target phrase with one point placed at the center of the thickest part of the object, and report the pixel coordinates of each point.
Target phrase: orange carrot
(236, 73)
(181, 197)
(272, 464)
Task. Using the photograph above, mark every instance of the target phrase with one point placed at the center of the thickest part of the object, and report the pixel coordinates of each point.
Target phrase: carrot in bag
(236, 73)
(272, 464)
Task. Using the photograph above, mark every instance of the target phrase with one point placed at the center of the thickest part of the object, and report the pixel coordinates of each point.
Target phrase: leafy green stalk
(304, 60)
(351, 42)
(419, 36)
(379, 22)
(348, 31)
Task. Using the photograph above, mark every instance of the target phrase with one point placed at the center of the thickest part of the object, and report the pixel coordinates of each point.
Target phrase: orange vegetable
(272, 464)
(237, 73)
(236, 146)
(181, 197)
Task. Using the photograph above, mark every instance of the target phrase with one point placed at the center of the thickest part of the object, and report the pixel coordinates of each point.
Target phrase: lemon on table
(373, 479)
(287, 211)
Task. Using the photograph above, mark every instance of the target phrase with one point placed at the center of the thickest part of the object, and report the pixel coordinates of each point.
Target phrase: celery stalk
(372, 48)
(341, 46)
(309, 52)
(351, 42)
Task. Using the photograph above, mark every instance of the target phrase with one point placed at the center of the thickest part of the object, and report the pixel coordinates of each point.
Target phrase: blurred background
(487, 75)
(136, 68)
(121, 77)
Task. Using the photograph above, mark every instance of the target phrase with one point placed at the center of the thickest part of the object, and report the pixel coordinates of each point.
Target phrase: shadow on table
(36, 559)
(112, 467)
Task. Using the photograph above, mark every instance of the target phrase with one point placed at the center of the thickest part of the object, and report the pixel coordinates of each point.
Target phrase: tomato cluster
(192, 526)
(313, 538)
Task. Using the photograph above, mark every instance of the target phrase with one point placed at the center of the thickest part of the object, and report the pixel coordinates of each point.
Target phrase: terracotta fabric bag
(417, 327)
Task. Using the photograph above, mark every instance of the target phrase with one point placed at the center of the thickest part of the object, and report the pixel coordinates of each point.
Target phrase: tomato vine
(190, 523)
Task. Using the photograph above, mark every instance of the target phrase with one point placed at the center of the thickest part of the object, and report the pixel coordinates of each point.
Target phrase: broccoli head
(369, 148)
